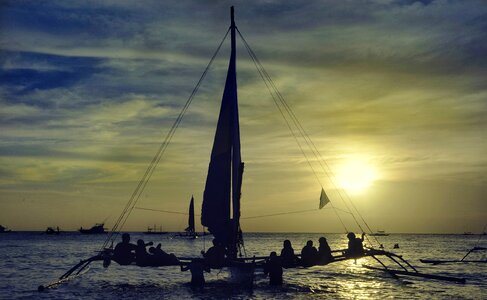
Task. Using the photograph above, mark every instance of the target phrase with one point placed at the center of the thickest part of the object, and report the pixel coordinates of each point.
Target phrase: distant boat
(468, 233)
(154, 230)
(96, 229)
(4, 229)
(379, 233)
(51, 230)
(189, 232)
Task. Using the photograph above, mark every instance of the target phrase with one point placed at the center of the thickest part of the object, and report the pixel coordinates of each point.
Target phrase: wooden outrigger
(463, 260)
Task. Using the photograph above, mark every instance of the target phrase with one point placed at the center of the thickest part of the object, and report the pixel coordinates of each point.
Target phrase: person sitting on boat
(197, 267)
(355, 245)
(215, 256)
(324, 252)
(288, 258)
(159, 257)
(309, 255)
(273, 268)
(142, 258)
(123, 253)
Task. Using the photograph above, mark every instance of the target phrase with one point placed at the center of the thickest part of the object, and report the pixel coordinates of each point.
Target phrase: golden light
(356, 175)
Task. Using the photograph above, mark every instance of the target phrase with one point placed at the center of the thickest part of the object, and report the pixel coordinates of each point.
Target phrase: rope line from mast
(266, 77)
(157, 157)
(246, 218)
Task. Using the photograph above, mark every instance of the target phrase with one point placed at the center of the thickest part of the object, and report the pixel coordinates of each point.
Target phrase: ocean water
(29, 259)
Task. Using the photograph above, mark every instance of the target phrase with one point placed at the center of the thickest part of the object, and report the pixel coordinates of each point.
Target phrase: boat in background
(155, 230)
(51, 230)
(4, 229)
(379, 233)
(96, 229)
(190, 231)
(468, 233)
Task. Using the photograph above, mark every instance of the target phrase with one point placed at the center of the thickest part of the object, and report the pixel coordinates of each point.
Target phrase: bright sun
(356, 175)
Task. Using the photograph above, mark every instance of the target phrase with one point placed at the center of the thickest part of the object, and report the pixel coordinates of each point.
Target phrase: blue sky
(89, 89)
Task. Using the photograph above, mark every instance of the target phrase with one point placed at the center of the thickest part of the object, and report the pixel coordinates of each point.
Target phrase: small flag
(323, 199)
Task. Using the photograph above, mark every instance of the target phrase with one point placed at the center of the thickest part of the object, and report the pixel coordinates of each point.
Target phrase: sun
(356, 175)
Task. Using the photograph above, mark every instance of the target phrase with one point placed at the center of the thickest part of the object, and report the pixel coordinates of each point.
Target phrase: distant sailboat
(190, 231)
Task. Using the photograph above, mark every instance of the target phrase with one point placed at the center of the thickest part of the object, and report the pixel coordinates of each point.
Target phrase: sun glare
(356, 175)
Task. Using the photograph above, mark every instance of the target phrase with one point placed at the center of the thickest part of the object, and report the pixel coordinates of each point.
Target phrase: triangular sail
(223, 183)
(191, 228)
(323, 199)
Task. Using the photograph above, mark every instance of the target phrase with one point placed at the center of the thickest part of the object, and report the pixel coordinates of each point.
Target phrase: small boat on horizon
(4, 229)
(379, 233)
(155, 230)
(96, 229)
(51, 231)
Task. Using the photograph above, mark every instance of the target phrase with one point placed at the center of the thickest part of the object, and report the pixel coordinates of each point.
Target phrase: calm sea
(29, 259)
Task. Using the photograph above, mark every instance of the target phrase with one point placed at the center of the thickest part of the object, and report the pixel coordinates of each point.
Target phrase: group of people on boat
(126, 253)
(216, 257)
(310, 256)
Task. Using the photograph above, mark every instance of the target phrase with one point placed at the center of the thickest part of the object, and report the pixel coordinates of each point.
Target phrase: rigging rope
(157, 157)
(266, 77)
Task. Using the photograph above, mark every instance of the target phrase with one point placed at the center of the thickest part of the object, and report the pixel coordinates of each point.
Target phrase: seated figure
(159, 257)
(309, 255)
(215, 256)
(123, 253)
(288, 258)
(355, 245)
(324, 252)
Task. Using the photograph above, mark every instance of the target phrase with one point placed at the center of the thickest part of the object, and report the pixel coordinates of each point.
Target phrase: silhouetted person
(288, 258)
(355, 245)
(215, 256)
(197, 267)
(324, 252)
(123, 253)
(273, 267)
(142, 258)
(309, 255)
(160, 258)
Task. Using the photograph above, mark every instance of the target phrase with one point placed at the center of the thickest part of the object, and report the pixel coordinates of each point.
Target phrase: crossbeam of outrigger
(259, 261)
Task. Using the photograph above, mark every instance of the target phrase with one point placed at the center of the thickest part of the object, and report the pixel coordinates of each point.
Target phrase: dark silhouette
(215, 256)
(4, 229)
(197, 267)
(355, 245)
(396, 246)
(51, 230)
(309, 255)
(159, 257)
(288, 258)
(142, 258)
(96, 229)
(273, 267)
(123, 253)
(324, 252)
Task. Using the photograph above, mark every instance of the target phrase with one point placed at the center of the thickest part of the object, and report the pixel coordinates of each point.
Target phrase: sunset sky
(392, 93)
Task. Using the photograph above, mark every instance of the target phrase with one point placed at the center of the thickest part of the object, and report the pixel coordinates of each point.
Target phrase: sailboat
(222, 194)
(190, 231)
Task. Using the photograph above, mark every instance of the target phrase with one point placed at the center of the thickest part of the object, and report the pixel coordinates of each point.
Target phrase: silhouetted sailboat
(190, 231)
(221, 198)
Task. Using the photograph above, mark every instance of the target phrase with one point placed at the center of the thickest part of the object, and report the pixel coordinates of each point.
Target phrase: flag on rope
(323, 199)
